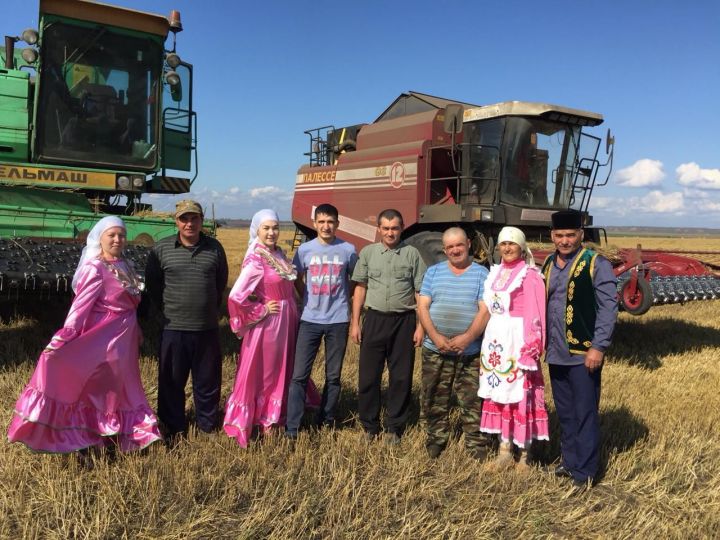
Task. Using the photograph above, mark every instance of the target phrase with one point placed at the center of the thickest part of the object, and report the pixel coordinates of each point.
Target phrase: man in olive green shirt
(389, 276)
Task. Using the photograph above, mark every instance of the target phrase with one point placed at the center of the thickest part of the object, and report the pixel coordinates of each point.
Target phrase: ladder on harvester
(298, 238)
(318, 145)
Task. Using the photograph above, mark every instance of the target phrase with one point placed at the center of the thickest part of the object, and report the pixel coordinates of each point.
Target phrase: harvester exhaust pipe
(9, 52)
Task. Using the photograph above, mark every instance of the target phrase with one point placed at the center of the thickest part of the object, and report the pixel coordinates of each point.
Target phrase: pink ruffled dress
(86, 386)
(511, 381)
(267, 352)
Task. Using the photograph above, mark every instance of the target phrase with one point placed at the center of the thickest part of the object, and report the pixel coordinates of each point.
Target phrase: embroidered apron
(501, 380)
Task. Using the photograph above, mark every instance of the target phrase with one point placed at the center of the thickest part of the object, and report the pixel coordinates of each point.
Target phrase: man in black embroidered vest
(581, 314)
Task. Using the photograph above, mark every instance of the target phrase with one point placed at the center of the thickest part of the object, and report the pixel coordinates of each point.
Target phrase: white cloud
(232, 203)
(602, 202)
(708, 206)
(642, 173)
(692, 193)
(657, 202)
(269, 192)
(690, 174)
(653, 203)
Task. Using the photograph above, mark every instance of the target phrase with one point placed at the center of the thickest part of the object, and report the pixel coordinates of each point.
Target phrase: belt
(391, 313)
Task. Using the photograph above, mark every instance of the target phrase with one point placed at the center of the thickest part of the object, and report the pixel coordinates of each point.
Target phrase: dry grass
(660, 410)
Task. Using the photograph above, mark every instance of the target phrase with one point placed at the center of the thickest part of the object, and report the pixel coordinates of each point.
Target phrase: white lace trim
(495, 270)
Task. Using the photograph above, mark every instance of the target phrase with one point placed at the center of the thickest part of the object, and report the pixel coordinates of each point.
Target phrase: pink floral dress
(267, 352)
(511, 381)
(86, 386)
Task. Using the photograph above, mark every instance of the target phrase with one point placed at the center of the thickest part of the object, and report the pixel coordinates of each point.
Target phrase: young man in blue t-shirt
(324, 267)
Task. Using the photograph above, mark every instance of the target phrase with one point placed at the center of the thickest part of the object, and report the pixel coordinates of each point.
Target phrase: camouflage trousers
(442, 376)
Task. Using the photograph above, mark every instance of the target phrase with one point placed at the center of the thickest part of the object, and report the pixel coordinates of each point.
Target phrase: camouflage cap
(187, 206)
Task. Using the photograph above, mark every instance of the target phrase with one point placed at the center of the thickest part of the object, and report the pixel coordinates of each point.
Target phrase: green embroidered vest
(580, 304)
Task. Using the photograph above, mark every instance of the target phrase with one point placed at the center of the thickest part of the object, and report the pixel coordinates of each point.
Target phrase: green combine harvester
(94, 113)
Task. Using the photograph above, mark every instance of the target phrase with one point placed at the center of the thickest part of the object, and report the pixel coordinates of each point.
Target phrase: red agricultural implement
(442, 163)
(647, 277)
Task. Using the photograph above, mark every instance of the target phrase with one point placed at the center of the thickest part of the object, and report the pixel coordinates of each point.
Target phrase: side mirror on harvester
(453, 122)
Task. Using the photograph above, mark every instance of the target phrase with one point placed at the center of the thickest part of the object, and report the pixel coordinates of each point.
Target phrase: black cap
(567, 219)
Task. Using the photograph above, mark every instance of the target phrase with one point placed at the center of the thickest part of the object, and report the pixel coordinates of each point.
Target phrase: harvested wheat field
(661, 459)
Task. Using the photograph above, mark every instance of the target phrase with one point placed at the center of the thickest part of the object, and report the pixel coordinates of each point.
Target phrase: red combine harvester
(442, 162)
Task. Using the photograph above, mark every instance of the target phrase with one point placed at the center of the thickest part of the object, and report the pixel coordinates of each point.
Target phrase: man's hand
(593, 360)
(418, 336)
(461, 342)
(355, 333)
(442, 343)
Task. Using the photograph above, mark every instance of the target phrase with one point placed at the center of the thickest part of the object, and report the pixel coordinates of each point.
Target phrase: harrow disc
(27, 265)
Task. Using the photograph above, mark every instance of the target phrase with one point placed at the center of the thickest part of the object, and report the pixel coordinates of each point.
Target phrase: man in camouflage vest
(581, 314)
(452, 312)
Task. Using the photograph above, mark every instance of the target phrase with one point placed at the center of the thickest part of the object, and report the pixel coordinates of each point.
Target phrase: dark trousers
(576, 393)
(308, 343)
(386, 336)
(181, 353)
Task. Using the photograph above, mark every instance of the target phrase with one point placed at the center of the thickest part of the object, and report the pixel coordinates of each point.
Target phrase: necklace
(129, 280)
(283, 268)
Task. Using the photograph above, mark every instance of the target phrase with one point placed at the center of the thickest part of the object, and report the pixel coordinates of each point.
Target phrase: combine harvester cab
(443, 163)
(94, 113)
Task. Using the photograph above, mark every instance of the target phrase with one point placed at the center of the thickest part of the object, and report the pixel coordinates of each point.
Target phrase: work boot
(369, 437)
(504, 459)
(479, 453)
(434, 450)
(558, 471)
(562, 472)
(391, 439)
(581, 486)
(85, 460)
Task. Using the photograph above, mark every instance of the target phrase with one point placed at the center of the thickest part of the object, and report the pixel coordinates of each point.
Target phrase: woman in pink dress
(511, 380)
(86, 389)
(264, 314)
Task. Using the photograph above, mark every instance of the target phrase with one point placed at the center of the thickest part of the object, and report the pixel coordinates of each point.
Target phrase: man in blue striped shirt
(451, 310)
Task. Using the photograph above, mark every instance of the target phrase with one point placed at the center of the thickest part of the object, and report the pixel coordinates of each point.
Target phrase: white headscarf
(258, 219)
(92, 248)
(516, 236)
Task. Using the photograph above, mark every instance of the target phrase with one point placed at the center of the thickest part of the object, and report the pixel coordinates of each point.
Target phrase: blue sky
(267, 71)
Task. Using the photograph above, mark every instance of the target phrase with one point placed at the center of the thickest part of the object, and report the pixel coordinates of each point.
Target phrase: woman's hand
(60, 338)
(272, 307)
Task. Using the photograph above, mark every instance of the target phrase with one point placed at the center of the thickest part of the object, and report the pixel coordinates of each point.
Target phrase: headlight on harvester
(123, 182)
(173, 60)
(138, 181)
(172, 78)
(486, 215)
(29, 55)
(30, 36)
